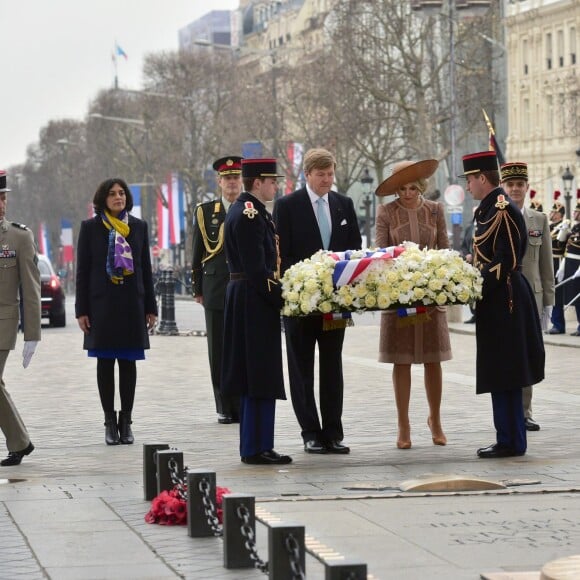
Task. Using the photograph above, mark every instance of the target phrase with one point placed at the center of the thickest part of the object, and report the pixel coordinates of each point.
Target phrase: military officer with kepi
(18, 269)
(537, 264)
(210, 274)
(252, 357)
(510, 350)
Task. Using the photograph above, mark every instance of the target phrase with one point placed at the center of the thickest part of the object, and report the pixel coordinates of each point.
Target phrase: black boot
(125, 433)
(111, 429)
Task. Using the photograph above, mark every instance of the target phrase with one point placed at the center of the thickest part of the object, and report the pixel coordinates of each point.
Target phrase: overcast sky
(55, 55)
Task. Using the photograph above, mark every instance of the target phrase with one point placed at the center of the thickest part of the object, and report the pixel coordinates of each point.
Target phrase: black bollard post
(345, 570)
(150, 469)
(198, 525)
(286, 551)
(167, 323)
(162, 458)
(235, 553)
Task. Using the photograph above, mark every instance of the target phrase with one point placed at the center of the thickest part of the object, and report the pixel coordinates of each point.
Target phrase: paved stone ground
(78, 511)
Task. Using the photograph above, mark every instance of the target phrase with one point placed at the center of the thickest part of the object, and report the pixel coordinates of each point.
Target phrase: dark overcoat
(252, 357)
(510, 349)
(210, 272)
(572, 255)
(116, 311)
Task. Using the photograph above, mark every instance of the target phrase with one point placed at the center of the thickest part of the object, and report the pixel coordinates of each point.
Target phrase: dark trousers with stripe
(256, 425)
(508, 419)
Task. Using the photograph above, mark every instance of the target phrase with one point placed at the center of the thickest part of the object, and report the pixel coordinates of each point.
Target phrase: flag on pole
(493, 144)
(120, 52)
(162, 219)
(43, 241)
(136, 193)
(66, 241)
(176, 208)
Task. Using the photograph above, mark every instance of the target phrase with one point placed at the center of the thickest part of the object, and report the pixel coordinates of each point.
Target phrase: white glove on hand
(29, 348)
(546, 317)
(564, 231)
(577, 273)
(560, 272)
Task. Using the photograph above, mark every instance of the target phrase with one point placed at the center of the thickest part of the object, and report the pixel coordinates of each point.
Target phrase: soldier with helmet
(557, 224)
(19, 283)
(569, 238)
(210, 274)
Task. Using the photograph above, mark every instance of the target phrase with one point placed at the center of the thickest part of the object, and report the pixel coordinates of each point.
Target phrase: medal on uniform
(250, 210)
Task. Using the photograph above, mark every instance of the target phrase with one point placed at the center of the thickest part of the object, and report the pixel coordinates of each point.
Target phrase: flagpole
(116, 81)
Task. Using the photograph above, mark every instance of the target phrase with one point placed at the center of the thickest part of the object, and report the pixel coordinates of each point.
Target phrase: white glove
(560, 272)
(577, 273)
(565, 230)
(546, 317)
(29, 348)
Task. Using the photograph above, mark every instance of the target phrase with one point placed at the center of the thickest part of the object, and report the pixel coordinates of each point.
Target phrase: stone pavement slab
(79, 511)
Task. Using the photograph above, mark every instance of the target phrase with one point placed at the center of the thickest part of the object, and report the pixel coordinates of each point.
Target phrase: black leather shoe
(15, 457)
(554, 330)
(314, 446)
(267, 458)
(531, 425)
(496, 450)
(224, 419)
(337, 447)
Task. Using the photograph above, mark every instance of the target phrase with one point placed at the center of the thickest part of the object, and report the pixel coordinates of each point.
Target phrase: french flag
(176, 202)
(43, 241)
(162, 219)
(66, 240)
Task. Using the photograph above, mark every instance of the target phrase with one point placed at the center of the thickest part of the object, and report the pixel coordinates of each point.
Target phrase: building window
(525, 55)
(549, 50)
(573, 45)
(560, 47)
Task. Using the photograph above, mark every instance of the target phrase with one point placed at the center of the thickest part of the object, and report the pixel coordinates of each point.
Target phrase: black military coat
(116, 311)
(571, 265)
(210, 272)
(252, 357)
(510, 349)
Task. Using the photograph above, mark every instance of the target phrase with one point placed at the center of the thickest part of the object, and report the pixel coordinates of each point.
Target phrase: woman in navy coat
(115, 301)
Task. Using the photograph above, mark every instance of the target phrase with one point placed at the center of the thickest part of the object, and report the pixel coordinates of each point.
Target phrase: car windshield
(44, 268)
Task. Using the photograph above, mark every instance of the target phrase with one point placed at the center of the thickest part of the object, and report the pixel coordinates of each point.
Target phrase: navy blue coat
(116, 311)
(252, 357)
(510, 349)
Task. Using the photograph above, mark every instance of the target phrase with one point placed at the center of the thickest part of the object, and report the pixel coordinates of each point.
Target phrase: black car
(51, 293)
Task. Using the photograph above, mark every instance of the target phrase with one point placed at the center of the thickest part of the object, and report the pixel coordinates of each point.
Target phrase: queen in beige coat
(412, 218)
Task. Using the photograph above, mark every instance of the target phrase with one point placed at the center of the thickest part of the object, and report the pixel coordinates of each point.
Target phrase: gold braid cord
(211, 252)
(495, 223)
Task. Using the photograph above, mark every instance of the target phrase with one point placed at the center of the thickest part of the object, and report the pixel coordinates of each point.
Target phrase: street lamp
(369, 199)
(567, 179)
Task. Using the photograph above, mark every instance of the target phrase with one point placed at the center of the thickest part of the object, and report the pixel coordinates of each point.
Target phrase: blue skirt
(122, 353)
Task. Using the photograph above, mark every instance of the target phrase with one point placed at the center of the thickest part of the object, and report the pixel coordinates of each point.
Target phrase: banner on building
(170, 218)
(295, 153)
(44, 241)
(137, 210)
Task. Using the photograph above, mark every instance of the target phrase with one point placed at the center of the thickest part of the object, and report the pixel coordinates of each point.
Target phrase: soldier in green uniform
(210, 274)
(18, 269)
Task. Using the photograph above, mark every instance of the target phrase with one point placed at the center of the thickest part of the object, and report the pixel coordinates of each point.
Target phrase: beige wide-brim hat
(406, 172)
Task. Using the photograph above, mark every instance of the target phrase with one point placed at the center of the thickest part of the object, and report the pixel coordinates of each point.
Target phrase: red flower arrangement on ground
(170, 509)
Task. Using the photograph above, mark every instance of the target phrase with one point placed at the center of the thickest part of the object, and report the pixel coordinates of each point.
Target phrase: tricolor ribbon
(404, 312)
(346, 271)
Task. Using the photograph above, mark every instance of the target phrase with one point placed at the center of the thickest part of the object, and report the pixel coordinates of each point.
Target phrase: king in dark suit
(307, 220)
(210, 274)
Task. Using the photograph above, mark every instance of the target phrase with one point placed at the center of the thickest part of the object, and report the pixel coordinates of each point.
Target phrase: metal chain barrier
(248, 533)
(210, 509)
(293, 551)
(178, 482)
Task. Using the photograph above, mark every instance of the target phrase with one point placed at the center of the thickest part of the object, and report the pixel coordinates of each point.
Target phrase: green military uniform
(18, 270)
(210, 277)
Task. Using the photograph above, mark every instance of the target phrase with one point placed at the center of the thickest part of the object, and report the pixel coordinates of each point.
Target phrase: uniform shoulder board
(501, 202)
(21, 226)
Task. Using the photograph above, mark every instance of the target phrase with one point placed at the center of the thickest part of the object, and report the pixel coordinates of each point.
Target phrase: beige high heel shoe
(438, 438)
